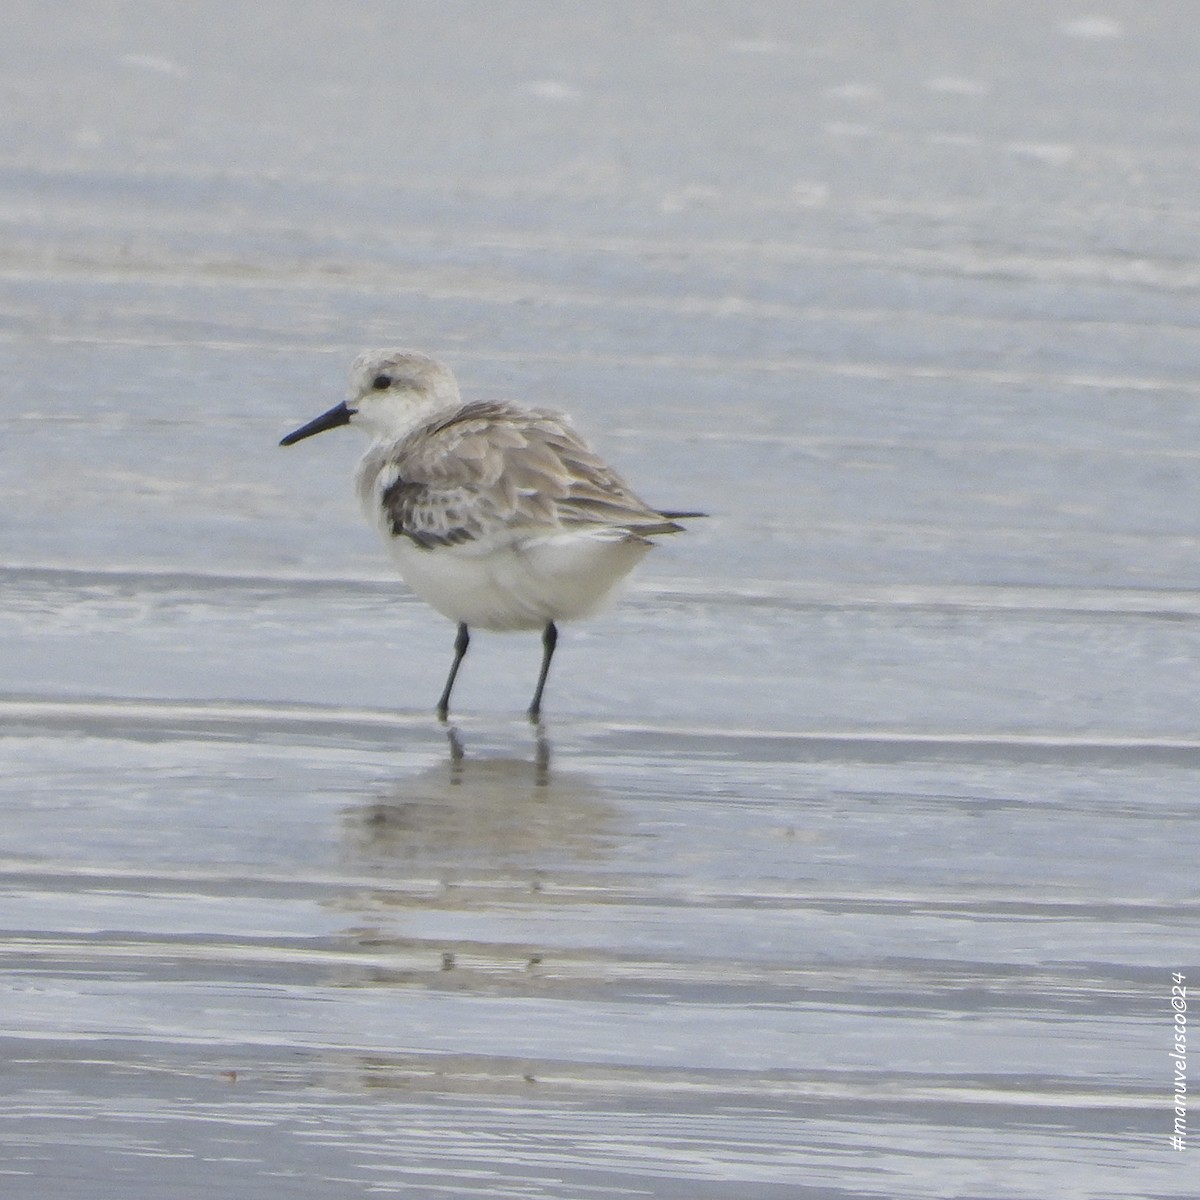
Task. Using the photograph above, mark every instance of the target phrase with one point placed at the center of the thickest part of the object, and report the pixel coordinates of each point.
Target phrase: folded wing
(492, 470)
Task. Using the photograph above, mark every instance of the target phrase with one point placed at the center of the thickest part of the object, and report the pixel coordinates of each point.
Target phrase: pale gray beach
(856, 856)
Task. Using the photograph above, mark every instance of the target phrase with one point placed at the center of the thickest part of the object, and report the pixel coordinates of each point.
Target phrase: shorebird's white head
(391, 392)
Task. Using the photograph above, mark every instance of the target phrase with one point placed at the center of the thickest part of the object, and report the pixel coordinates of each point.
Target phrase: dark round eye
(381, 383)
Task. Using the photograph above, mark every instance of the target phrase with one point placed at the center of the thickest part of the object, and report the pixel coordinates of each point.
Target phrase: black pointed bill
(339, 415)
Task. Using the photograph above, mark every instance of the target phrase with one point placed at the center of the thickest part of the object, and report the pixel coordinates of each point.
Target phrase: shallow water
(859, 846)
(619, 958)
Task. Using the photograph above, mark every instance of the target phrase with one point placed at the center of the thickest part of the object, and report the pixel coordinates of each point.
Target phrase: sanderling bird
(497, 516)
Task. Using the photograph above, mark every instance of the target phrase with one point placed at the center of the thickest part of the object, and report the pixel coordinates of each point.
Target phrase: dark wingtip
(648, 529)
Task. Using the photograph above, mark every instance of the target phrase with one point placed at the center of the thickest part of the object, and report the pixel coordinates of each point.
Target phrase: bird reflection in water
(479, 811)
(541, 758)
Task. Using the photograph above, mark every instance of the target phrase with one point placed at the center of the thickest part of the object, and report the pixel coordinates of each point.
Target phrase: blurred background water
(860, 845)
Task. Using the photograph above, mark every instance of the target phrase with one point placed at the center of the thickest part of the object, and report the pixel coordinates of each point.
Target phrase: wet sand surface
(858, 848)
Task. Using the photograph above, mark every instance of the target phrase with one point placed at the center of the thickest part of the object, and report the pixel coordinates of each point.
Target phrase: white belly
(521, 585)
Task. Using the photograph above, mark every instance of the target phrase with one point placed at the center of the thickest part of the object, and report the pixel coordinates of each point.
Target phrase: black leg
(549, 641)
(461, 642)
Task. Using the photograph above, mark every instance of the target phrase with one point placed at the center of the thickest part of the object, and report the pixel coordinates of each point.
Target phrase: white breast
(519, 584)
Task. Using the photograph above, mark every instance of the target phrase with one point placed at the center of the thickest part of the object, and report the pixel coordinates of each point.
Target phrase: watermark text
(1178, 1055)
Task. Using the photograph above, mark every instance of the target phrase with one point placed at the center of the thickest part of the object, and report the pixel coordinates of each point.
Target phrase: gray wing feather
(493, 466)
